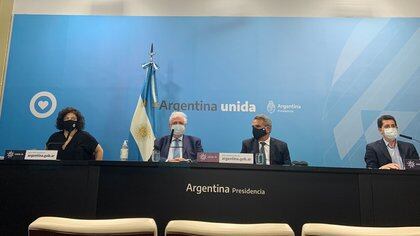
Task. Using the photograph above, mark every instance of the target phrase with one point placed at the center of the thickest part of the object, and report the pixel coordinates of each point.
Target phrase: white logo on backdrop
(40, 102)
(286, 108)
(271, 107)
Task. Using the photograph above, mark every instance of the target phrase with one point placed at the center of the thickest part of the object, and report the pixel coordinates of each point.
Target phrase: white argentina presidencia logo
(43, 104)
(285, 108)
(271, 107)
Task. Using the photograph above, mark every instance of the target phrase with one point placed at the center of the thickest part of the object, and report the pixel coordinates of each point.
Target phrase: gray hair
(178, 114)
(265, 119)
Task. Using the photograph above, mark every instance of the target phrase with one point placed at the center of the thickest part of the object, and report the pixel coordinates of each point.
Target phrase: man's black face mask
(258, 133)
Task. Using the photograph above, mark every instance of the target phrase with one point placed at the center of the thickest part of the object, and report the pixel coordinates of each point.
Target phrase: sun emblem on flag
(143, 132)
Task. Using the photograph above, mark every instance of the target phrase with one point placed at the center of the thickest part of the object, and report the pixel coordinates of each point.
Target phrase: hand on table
(390, 166)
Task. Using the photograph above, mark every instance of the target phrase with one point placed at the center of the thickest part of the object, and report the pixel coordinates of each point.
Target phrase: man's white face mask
(178, 129)
(391, 133)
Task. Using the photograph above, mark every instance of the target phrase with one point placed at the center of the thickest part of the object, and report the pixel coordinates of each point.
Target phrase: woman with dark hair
(71, 141)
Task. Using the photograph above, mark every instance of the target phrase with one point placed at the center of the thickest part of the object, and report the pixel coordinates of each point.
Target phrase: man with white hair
(182, 147)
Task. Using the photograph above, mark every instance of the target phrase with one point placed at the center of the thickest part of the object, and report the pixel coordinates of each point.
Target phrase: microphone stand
(170, 141)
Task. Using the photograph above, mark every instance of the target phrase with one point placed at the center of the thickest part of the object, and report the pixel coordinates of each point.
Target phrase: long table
(208, 192)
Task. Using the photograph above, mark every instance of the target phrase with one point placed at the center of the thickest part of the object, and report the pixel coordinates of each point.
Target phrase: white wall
(298, 8)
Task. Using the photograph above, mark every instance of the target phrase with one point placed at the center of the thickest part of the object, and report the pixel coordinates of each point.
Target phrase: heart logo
(43, 104)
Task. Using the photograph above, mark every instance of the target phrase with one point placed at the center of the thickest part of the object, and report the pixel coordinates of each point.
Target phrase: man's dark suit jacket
(279, 153)
(377, 153)
(191, 146)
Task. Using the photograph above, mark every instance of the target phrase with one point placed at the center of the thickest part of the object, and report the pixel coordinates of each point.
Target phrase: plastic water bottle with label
(156, 156)
(124, 151)
(259, 158)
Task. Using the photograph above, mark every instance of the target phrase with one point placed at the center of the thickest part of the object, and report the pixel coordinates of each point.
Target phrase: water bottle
(156, 156)
(124, 151)
(259, 158)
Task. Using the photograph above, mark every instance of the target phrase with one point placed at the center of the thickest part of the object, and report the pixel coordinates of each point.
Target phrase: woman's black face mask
(69, 125)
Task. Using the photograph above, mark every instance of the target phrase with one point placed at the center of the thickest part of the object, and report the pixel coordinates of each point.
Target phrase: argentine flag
(143, 123)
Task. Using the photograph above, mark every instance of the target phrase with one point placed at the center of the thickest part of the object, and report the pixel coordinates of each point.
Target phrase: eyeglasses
(70, 118)
(177, 123)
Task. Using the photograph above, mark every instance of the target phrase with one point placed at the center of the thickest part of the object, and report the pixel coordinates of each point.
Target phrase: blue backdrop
(323, 81)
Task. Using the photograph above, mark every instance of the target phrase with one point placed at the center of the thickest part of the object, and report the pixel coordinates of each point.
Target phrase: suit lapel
(402, 150)
(184, 147)
(164, 150)
(255, 148)
(272, 151)
(384, 150)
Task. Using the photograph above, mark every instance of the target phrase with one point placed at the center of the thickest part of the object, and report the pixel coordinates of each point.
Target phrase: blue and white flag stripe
(143, 123)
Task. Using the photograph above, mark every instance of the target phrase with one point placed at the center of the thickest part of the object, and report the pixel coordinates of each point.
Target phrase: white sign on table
(41, 155)
(236, 158)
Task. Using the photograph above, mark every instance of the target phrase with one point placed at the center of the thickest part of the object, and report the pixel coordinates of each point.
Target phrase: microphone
(170, 141)
(408, 137)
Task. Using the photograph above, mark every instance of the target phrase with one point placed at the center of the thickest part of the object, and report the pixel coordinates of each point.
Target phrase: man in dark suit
(388, 153)
(275, 151)
(182, 147)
